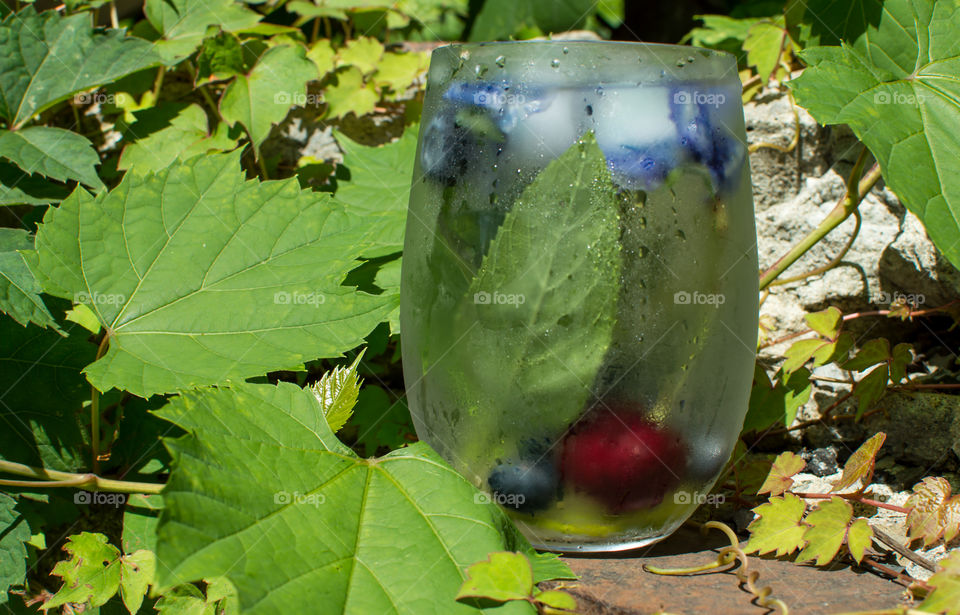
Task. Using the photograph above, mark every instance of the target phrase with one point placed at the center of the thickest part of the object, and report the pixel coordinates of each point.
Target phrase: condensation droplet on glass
(501, 61)
(480, 70)
(464, 55)
(566, 50)
(681, 235)
(555, 63)
(681, 63)
(600, 91)
(690, 58)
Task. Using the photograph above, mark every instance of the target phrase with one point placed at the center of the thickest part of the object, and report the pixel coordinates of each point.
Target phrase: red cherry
(622, 459)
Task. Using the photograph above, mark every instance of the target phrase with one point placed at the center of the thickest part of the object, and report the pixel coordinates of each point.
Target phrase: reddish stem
(855, 497)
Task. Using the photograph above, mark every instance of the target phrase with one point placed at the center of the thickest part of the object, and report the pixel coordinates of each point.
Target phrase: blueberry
(524, 486)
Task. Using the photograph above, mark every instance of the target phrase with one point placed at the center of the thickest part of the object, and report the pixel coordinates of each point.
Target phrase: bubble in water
(501, 61)
(555, 63)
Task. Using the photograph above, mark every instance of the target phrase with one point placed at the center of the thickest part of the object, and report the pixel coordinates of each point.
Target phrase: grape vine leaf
(322, 54)
(933, 513)
(896, 86)
(812, 23)
(202, 277)
(41, 395)
(780, 478)
(220, 57)
(398, 71)
(502, 576)
(363, 52)
(337, 392)
(183, 24)
(945, 598)
(350, 94)
(95, 570)
(826, 322)
(777, 527)
(19, 290)
(339, 533)
(54, 152)
(20, 188)
(262, 97)
(873, 352)
(772, 404)
(764, 43)
(187, 135)
(44, 58)
(14, 533)
(859, 466)
(379, 185)
(871, 388)
(501, 19)
(859, 537)
(828, 529)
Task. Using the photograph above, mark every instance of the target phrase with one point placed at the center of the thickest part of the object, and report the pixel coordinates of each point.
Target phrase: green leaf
(187, 135)
(718, 30)
(54, 152)
(321, 53)
(140, 518)
(337, 393)
(45, 58)
(388, 278)
(871, 388)
(379, 185)
(567, 274)
(136, 573)
(896, 86)
(350, 94)
(945, 598)
(828, 529)
(859, 466)
(85, 317)
(19, 291)
(557, 599)
(185, 600)
(183, 24)
(339, 534)
(859, 537)
(221, 57)
(90, 575)
(901, 357)
(780, 478)
(262, 98)
(14, 533)
(379, 420)
(827, 22)
(363, 53)
(17, 187)
(549, 566)
(873, 352)
(43, 395)
(763, 45)
(800, 352)
(501, 577)
(398, 71)
(501, 19)
(778, 526)
(771, 405)
(826, 322)
(161, 254)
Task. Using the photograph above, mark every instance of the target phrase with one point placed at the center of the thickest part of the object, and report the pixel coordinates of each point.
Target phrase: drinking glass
(579, 282)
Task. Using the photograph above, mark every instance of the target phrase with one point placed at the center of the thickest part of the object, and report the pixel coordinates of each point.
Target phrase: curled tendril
(726, 561)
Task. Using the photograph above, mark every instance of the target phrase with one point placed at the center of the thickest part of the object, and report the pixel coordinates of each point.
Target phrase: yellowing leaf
(778, 526)
(828, 529)
(945, 597)
(764, 44)
(860, 465)
(350, 95)
(398, 71)
(91, 573)
(859, 537)
(786, 465)
(931, 507)
(323, 55)
(501, 577)
(556, 599)
(826, 322)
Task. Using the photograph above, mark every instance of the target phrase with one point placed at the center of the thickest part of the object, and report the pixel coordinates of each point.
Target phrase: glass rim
(471, 45)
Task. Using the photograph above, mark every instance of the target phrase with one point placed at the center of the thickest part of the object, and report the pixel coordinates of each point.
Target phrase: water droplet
(501, 61)
(600, 91)
(681, 235)
(555, 63)
(566, 50)
(479, 70)
(690, 58)
(464, 55)
(681, 63)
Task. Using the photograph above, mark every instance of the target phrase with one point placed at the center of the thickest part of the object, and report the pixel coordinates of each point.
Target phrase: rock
(923, 429)
(821, 461)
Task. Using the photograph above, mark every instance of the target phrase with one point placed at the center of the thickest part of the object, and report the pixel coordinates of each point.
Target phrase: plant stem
(833, 263)
(855, 498)
(856, 191)
(55, 478)
(158, 83)
(95, 409)
(114, 21)
(892, 543)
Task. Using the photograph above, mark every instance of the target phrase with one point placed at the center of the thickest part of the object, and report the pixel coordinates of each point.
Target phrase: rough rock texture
(794, 191)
